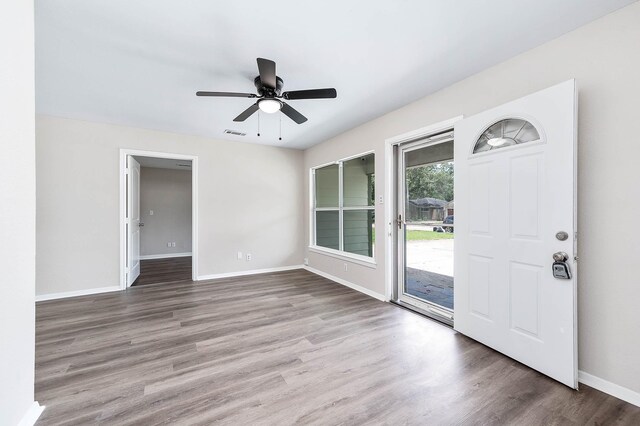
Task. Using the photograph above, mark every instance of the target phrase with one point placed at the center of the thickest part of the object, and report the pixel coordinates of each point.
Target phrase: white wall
(603, 57)
(249, 199)
(167, 193)
(17, 211)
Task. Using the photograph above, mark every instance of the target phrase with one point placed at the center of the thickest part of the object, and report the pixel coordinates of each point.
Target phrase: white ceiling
(139, 63)
(164, 163)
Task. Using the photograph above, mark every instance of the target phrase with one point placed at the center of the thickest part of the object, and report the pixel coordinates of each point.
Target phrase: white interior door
(515, 186)
(133, 220)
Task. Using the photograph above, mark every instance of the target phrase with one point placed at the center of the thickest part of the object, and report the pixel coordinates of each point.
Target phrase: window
(344, 204)
(504, 133)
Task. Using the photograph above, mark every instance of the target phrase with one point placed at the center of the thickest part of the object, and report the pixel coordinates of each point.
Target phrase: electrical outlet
(239, 255)
(173, 244)
(380, 199)
(168, 244)
(346, 267)
(150, 212)
(248, 257)
(306, 261)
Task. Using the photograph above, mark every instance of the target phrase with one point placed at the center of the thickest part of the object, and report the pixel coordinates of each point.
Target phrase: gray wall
(603, 57)
(168, 193)
(250, 198)
(17, 211)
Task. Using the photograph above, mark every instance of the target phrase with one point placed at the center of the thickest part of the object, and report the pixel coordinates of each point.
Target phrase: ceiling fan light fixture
(269, 105)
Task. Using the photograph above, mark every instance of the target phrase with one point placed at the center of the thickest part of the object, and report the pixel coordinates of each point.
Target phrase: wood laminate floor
(157, 271)
(279, 349)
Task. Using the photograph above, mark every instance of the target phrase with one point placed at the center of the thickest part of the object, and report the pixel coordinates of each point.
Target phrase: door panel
(133, 220)
(513, 194)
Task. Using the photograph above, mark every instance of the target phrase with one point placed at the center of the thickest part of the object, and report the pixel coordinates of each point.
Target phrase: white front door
(515, 187)
(133, 220)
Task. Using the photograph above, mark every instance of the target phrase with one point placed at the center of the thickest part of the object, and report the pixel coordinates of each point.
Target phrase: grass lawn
(416, 235)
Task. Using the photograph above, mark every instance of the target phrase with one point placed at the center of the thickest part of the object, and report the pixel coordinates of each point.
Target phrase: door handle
(560, 256)
(141, 224)
(399, 220)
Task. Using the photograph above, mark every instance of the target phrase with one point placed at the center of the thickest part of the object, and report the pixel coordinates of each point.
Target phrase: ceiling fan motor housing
(266, 91)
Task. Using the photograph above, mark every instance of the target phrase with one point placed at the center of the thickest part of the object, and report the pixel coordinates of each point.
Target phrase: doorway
(426, 226)
(158, 217)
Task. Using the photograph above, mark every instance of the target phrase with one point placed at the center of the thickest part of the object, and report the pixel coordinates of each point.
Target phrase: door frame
(391, 195)
(124, 153)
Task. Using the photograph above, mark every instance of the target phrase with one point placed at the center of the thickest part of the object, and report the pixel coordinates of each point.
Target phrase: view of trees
(435, 181)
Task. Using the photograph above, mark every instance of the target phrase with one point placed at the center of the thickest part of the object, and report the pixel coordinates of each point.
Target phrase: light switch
(150, 212)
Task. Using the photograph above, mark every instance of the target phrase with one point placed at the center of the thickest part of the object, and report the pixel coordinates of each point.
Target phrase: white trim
(351, 157)
(612, 389)
(389, 199)
(423, 132)
(32, 414)
(164, 256)
(312, 219)
(64, 295)
(250, 272)
(123, 203)
(346, 283)
(344, 255)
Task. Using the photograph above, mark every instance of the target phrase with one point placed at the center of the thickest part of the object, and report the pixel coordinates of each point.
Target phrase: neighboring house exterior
(428, 209)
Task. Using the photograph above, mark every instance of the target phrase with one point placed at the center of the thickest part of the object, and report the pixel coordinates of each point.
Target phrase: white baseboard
(164, 256)
(251, 272)
(32, 414)
(52, 296)
(612, 389)
(346, 283)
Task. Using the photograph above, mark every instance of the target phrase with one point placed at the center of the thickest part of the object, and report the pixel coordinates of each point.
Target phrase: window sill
(354, 258)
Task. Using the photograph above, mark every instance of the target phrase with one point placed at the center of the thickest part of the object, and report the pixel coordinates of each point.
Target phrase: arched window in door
(504, 133)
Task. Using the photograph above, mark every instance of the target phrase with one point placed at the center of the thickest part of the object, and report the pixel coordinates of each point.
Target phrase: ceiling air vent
(234, 132)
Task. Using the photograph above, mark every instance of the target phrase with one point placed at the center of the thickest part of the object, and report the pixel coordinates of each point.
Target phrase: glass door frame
(425, 307)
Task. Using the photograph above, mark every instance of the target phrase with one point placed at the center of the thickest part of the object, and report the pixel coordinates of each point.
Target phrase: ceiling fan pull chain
(258, 123)
(280, 138)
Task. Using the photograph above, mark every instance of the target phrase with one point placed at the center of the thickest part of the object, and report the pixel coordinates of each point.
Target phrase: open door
(133, 220)
(426, 226)
(515, 268)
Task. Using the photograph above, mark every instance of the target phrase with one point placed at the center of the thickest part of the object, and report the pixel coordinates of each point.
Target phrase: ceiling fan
(270, 95)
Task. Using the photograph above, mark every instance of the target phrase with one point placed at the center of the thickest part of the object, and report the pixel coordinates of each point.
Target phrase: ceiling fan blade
(311, 94)
(247, 113)
(227, 94)
(293, 114)
(267, 70)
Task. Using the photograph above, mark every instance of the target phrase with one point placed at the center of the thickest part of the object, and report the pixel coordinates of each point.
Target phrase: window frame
(340, 253)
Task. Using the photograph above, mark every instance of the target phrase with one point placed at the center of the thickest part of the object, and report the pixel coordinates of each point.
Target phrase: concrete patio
(429, 273)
